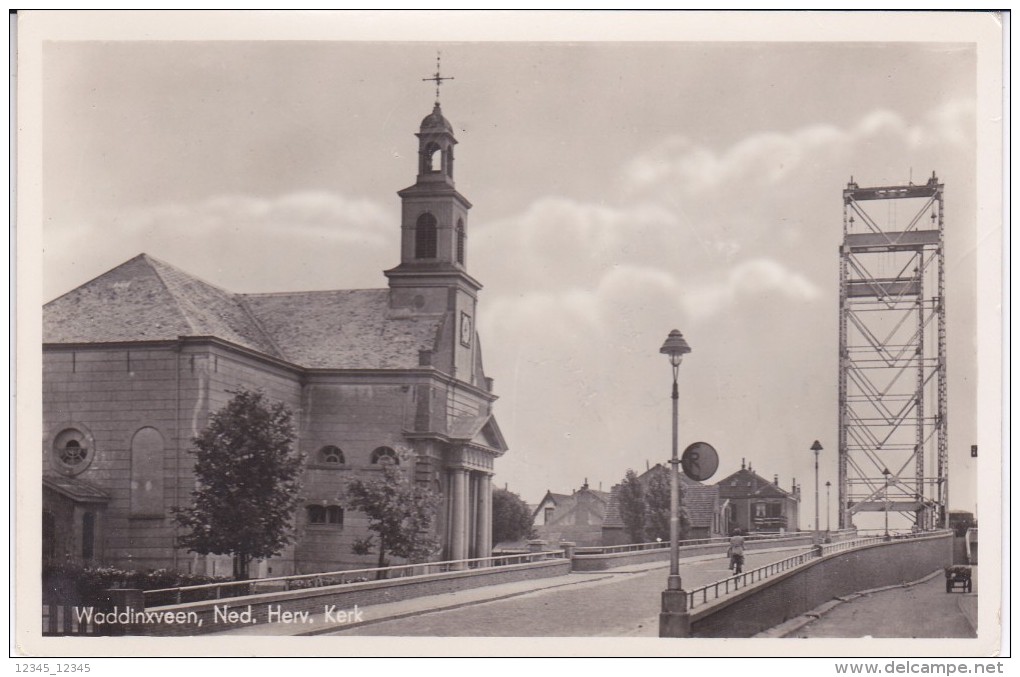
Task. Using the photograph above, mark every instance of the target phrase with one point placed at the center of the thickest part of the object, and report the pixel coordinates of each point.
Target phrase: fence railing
(713, 591)
(255, 586)
(662, 545)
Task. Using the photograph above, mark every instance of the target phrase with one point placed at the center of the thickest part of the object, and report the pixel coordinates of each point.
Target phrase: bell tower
(432, 277)
(434, 214)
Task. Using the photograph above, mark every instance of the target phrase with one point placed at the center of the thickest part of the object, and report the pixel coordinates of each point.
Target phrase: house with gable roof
(577, 517)
(754, 504)
(136, 360)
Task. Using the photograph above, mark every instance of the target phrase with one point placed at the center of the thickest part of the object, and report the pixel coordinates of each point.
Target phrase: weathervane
(436, 78)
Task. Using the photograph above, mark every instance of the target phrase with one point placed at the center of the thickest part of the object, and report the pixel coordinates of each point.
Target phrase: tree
(657, 505)
(632, 506)
(511, 517)
(400, 512)
(248, 476)
(645, 506)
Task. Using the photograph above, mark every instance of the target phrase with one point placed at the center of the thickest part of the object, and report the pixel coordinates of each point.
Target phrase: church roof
(346, 329)
(145, 299)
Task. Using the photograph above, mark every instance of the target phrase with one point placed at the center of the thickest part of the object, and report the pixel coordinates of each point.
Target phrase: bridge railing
(662, 545)
(230, 589)
(713, 591)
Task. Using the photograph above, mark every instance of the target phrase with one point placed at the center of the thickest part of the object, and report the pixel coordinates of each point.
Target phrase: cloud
(768, 158)
(752, 279)
(316, 229)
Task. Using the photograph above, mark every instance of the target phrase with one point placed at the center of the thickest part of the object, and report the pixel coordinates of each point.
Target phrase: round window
(73, 450)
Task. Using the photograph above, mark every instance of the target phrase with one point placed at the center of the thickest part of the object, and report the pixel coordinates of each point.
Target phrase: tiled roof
(75, 489)
(613, 518)
(145, 299)
(347, 329)
(700, 502)
(745, 483)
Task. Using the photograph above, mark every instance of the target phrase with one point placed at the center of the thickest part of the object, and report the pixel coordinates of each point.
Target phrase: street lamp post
(817, 448)
(828, 504)
(674, 621)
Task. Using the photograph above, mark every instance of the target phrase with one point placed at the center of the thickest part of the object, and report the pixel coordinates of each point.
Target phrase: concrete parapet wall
(342, 598)
(778, 599)
(610, 560)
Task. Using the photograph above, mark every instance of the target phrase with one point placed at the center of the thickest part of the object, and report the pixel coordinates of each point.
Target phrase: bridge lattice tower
(892, 355)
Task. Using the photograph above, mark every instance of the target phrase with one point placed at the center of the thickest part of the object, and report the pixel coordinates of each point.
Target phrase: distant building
(576, 517)
(755, 504)
(702, 503)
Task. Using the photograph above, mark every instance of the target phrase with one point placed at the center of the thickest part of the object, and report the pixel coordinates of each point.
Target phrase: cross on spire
(436, 78)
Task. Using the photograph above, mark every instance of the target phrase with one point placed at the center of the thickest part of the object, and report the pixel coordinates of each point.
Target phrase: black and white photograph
(420, 333)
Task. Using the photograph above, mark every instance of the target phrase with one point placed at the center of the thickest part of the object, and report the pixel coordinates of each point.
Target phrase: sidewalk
(921, 609)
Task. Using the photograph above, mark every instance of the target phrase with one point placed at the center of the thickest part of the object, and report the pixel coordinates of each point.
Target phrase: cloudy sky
(620, 190)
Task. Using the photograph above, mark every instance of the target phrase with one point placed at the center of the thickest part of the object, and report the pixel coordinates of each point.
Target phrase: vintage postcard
(508, 334)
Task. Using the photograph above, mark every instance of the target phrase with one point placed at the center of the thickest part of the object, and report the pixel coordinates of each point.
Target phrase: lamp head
(675, 347)
(816, 447)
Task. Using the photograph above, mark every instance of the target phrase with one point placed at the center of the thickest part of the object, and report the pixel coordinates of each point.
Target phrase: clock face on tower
(465, 330)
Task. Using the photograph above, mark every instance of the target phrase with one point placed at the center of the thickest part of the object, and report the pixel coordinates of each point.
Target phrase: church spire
(437, 78)
(433, 251)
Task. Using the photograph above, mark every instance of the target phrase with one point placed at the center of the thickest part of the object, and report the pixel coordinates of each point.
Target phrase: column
(484, 524)
(472, 523)
(458, 525)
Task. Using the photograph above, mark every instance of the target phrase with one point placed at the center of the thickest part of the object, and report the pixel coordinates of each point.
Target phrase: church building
(136, 360)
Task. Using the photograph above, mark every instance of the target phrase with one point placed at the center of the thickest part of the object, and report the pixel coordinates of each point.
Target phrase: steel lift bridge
(892, 356)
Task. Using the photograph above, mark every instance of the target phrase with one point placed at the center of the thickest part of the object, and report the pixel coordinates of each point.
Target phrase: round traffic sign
(699, 461)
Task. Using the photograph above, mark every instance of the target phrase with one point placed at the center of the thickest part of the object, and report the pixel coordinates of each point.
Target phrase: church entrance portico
(469, 508)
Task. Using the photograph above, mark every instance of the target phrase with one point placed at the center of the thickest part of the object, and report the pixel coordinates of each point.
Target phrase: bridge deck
(618, 602)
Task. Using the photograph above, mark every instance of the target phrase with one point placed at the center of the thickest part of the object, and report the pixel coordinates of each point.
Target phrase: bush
(73, 583)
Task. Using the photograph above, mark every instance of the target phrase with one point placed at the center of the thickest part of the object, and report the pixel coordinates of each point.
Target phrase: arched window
(433, 160)
(325, 514)
(316, 514)
(425, 237)
(461, 237)
(331, 455)
(385, 456)
(147, 473)
(334, 515)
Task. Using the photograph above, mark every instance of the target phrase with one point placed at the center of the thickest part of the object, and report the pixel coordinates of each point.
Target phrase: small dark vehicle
(958, 576)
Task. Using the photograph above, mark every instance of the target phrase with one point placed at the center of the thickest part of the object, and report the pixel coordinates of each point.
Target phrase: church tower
(432, 277)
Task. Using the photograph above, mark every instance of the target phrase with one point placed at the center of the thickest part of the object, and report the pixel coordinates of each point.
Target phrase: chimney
(647, 467)
(775, 480)
(742, 464)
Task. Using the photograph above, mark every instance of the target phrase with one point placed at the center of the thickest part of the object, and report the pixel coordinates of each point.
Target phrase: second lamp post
(817, 448)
